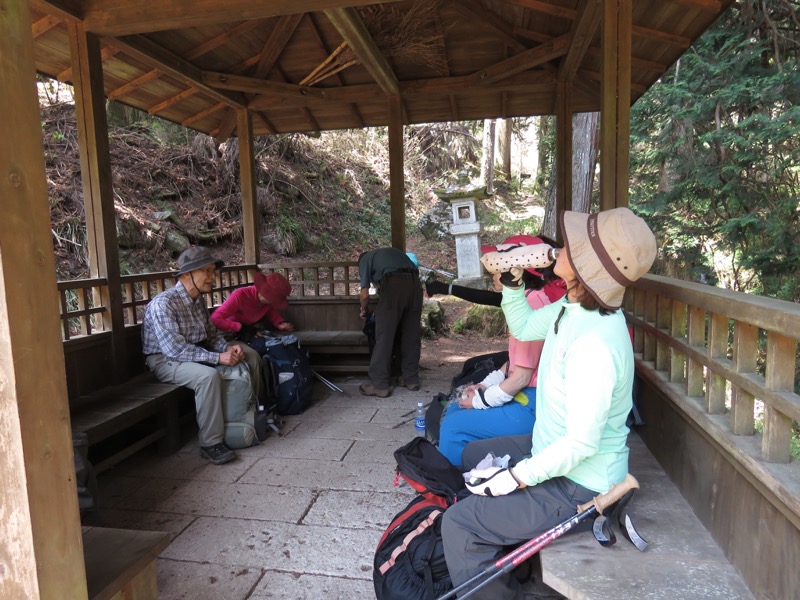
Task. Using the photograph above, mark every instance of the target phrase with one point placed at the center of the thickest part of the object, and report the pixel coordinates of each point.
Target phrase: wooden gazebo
(249, 68)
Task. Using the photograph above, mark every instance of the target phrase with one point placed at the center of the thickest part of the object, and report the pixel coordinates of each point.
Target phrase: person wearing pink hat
(250, 309)
(504, 403)
(578, 445)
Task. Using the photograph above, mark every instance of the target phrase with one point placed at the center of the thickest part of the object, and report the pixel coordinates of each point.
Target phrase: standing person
(397, 313)
(504, 403)
(250, 309)
(182, 346)
(578, 446)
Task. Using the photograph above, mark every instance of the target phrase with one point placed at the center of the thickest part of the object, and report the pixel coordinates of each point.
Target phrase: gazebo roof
(312, 65)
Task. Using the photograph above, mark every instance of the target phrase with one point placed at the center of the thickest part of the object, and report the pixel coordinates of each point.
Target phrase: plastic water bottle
(419, 420)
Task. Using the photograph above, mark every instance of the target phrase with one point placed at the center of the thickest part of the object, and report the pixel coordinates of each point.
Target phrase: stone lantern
(466, 230)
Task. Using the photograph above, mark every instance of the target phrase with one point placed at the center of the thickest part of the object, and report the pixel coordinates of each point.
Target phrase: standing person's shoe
(370, 390)
(218, 454)
(414, 387)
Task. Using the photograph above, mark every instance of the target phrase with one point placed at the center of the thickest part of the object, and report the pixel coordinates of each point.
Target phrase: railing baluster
(677, 359)
(745, 354)
(651, 308)
(663, 322)
(697, 340)
(781, 356)
(717, 348)
(639, 300)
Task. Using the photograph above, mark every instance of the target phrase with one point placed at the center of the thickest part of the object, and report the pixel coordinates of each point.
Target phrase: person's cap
(608, 251)
(275, 288)
(513, 242)
(194, 258)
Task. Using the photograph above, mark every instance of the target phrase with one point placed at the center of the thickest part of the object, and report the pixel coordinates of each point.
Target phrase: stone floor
(296, 517)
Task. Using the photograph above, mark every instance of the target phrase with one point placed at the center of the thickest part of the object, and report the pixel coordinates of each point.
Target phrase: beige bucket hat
(608, 251)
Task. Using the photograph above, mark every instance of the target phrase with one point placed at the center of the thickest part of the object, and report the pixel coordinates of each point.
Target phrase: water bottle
(419, 420)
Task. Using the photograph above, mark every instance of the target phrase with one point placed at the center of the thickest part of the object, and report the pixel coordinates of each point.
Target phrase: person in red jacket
(250, 309)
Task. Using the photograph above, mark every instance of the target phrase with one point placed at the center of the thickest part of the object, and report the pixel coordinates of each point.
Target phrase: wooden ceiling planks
(199, 58)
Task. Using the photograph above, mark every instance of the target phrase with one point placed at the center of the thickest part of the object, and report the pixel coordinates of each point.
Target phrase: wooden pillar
(615, 112)
(396, 176)
(41, 553)
(563, 149)
(98, 193)
(247, 173)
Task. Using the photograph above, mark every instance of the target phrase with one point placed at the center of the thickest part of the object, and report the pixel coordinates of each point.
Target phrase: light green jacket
(584, 392)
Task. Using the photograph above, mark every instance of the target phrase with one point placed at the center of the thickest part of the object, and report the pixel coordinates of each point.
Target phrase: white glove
(490, 397)
(499, 483)
(493, 378)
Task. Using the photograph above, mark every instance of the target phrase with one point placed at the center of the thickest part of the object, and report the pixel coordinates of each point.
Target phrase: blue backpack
(290, 376)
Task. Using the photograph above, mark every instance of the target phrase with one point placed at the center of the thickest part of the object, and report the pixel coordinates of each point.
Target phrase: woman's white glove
(495, 482)
(490, 397)
(494, 378)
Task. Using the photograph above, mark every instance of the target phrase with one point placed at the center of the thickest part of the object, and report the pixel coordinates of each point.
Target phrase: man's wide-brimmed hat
(608, 251)
(275, 288)
(195, 257)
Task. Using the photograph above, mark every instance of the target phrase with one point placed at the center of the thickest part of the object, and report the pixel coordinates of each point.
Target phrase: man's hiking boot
(218, 454)
(370, 390)
(414, 387)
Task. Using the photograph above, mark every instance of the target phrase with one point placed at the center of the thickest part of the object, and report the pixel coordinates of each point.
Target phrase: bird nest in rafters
(415, 36)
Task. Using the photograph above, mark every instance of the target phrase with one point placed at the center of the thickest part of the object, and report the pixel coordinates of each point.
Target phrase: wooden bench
(113, 410)
(681, 561)
(121, 563)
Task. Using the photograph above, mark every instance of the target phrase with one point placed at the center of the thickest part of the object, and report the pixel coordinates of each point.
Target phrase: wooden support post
(98, 193)
(615, 112)
(41, 554)
(563, 150)
(247, 170)
(396, 176)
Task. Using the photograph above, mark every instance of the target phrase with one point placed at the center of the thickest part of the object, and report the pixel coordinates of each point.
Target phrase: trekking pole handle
(617, 491)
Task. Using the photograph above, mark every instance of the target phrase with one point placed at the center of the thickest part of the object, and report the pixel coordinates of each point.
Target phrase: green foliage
(716, 155)
(486, 320)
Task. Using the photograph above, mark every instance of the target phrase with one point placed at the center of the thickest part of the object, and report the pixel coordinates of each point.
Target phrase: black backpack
(290, 376)
(409, 561)
(477, 368)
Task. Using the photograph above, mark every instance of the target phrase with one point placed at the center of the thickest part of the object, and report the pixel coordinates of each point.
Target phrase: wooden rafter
(162, 59)
(123, 17)
(44, 25)
(203, 114)
(582, 31)
(66, 10)
(196, 52)
(523, 61)
(105, 54)
(354, 32)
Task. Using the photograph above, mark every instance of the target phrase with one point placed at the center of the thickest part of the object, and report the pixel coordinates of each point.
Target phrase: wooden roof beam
(529, 59)
(149, 52)
(123, 17)
(493, 21)
(547, 8)
(66, 10)
(43, 25)
(355, 33)
(106, 53)
(582, 31)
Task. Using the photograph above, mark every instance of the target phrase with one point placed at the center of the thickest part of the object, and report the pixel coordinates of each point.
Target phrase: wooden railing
(727, 349)
(83, 308)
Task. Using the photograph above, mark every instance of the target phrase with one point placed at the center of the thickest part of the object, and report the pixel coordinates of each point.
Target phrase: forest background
(715, 170)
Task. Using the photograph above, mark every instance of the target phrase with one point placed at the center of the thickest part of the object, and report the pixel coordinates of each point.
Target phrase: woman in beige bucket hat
(578, 446)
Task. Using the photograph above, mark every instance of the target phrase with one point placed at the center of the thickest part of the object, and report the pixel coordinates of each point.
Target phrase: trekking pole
(510, 561)
(327, 382)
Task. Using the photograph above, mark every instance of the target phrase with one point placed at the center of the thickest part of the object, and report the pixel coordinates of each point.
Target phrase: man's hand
(229, 357)
(364, 313)
(286, 326)
(494, 482)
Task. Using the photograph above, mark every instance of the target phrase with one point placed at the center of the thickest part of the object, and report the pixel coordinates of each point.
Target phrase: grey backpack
(238, 406)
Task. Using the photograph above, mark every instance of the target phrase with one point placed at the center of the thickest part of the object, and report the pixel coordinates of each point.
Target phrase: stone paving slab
(310, 549)
(357, 510)
(146, 521)
(304, 447)
(319, 475)
(237, 500)
(329, 413)
(295, 586)
(375, 451)
(195, 581)
(346, 430)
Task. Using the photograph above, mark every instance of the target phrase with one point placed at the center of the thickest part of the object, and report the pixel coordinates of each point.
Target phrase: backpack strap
(428, 569)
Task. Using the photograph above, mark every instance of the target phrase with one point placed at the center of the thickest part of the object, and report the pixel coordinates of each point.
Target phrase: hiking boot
(218, 454)
(370, 390)
(414, 387)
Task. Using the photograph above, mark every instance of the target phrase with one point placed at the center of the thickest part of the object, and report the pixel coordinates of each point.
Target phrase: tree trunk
(549, 223)
(504, 143)
(487, 164)
(585, 143)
